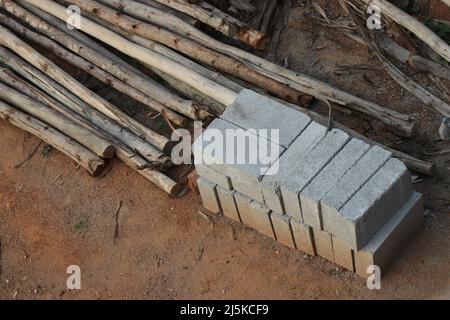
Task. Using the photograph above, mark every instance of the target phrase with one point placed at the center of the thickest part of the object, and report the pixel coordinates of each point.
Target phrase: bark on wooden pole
(89, 68)
(81, 155)
(78, 106)
(11, 41)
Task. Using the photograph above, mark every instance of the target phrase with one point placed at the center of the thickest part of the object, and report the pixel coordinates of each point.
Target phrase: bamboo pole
(405, 124)
(132, 77)
(9, 40)
(81, 155)
(97, 144)
(89, 68)
(78, 106)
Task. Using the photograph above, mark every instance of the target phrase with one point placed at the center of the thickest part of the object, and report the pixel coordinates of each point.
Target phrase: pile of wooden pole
(202, 76)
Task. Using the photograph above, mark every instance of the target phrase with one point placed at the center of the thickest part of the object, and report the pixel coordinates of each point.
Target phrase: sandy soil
(53, 215)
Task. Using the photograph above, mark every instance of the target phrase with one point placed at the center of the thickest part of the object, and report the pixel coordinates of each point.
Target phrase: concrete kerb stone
(214, 176)
(208, 194)
(347, 186)
(387, 242)
(252, 110)
(374, 204)
(343, 255)
(282, 228)
(254, 215)
(303, 237)
(228, 203)
(312, 164)
(310, 197)
(309, 138)
(324, 244)
(245, 176)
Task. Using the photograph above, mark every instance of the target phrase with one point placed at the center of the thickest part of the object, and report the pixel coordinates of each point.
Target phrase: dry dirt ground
(53, 215)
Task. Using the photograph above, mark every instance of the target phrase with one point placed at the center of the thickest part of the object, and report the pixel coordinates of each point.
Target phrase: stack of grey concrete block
(325, 193)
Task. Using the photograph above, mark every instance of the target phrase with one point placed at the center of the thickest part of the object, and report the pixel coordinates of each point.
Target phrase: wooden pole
(81, 155)
(89, 68)
(9, 40)
(78, 106)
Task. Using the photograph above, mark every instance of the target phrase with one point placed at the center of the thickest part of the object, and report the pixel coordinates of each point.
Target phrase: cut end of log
(96, 167)
(254, 38)
(109, 152)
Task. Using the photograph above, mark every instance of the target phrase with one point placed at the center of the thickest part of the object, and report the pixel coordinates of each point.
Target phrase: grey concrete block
(389, 240)
(228, 203)
(208, 194)
(324, 244)
(214, 176)
(309, 138)
(254, 215)
(344, 189)
(238, 153)
(310, 197)
(254, 191)
(372, 206)
(282, 229)
(343, 255)
(312, 164)
(252, 110)
(303, 237)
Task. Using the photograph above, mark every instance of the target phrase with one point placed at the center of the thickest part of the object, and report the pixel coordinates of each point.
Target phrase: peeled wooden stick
(403, 123)
(76, 105)
(168, 66)
(115, 67)
(9, 40)
(81, 155)
(413, 25)
(89, 68)
(123, 152)
(193, 49)
(97, 144)
(218, 19)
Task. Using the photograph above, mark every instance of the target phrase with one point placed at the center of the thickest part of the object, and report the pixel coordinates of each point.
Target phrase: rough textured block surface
(372, 206)
(390, 239)
(348, 185)
(303, 237)
(254, 215)
(214, 176)
(282, 229)
(228, 204)
(301, 175)
(324, 244)
(310, 197)
(253, 191)
(209, 195)
(343, 255)
(238, 152)
(309, 138)
(252, 110)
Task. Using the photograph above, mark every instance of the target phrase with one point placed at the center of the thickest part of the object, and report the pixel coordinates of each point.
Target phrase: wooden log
(218, 20)
(194, 50)
(168, 66)
(78, 106)
(11, 41)
(90, 68)
(413, 25)
(81, 155)
(94, 142)
(123, 152)
(115, 67)
(404, 124)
